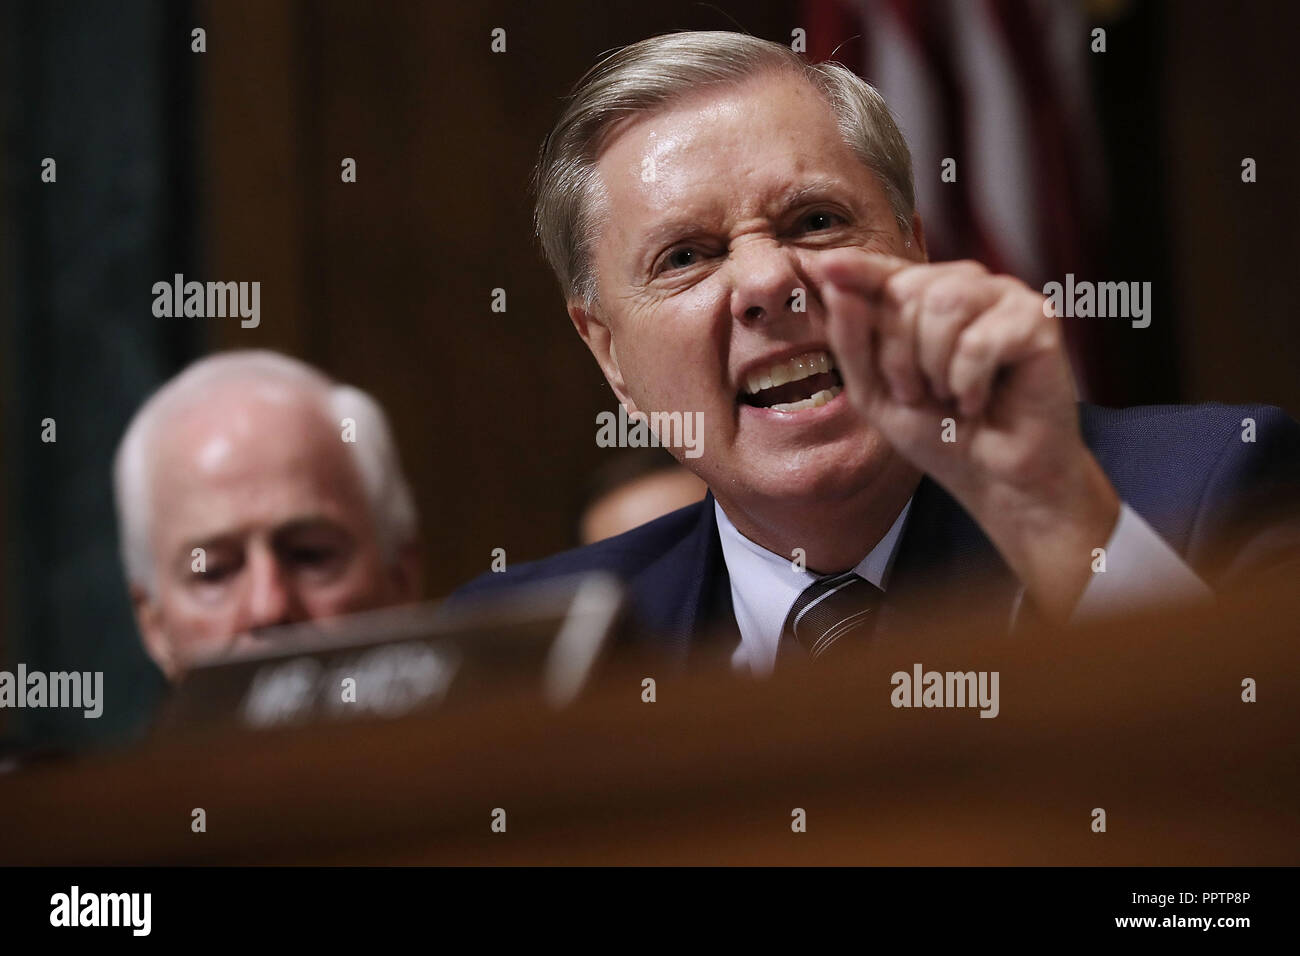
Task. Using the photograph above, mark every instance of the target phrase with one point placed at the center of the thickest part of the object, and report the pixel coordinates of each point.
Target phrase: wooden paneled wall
(387, 283)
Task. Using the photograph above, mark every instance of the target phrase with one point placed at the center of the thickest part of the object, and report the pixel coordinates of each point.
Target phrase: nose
(270, 598)
(766, 281)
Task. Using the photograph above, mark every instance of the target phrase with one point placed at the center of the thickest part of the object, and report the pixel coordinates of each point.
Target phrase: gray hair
(652, 74)
(374, 453)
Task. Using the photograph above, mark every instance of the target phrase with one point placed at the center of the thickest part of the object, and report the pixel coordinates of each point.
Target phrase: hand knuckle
(945, 297)
(976, 345)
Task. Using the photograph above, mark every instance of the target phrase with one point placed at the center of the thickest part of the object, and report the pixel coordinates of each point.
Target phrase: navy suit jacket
(1185, 469)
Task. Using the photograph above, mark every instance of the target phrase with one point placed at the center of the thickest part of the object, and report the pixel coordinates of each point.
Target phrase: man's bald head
(253, 491)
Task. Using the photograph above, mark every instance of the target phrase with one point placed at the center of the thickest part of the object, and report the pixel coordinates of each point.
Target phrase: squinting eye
(680, 258)
(215, 568)
(817, 221)
(310, 556)
(214, 575)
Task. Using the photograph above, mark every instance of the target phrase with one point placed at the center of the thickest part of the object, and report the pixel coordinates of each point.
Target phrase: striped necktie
(830, 609)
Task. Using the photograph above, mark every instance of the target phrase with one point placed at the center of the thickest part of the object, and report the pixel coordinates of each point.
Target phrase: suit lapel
(946, 570)
(684, 596)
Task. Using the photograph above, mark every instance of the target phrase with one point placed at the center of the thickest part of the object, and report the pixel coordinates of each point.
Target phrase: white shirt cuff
(1142, 571)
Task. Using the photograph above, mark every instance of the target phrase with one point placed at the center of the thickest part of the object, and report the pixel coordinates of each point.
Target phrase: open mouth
(793, 384)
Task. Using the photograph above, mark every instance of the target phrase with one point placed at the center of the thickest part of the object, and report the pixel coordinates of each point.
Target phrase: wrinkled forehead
(757, 136)
(743, 149)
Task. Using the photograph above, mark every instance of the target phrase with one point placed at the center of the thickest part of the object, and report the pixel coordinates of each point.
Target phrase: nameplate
(542, 640)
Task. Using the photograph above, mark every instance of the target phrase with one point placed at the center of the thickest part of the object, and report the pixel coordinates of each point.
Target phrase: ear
(595, 331)
(407, 573)
(148, 618)
(918, 239)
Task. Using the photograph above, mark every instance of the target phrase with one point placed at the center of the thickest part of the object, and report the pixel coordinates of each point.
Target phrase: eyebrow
(820, 188)
(309, 522)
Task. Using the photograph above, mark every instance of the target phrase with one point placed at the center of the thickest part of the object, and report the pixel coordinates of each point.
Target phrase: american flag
(1002, 88)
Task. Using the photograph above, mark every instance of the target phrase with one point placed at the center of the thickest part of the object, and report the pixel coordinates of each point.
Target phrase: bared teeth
(788, 370)
(814, 401)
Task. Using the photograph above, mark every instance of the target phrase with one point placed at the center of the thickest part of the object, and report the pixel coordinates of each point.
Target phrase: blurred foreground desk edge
(1144, 720)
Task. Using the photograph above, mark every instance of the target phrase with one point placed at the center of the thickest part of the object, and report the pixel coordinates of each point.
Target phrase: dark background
(225, 166)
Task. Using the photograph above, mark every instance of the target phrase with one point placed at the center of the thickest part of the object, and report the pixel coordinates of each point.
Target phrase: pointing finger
(863, 272)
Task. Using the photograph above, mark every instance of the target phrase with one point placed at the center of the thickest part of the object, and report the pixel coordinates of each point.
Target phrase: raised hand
(965, 374)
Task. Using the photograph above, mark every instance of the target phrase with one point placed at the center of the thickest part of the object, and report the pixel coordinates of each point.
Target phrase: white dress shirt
(1141, 569)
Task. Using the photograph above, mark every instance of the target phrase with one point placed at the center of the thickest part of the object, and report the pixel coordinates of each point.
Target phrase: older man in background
(253, 491)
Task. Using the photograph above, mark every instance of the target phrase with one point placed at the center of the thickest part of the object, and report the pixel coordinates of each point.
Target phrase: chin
(827, 472)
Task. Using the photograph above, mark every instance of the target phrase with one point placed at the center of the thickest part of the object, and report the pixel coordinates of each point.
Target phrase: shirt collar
(764, 586)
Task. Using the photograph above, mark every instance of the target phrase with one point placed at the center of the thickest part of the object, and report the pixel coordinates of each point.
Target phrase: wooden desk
(1144, 720)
